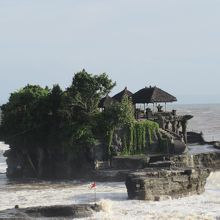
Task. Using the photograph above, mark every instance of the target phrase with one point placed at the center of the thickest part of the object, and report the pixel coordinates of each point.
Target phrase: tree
(55, 99)
(126, 113)
(86, 90)
(51, 126)
(24, 113)
(120, 114)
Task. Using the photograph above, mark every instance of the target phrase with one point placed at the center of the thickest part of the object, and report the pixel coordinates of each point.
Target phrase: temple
(160, 164)
(150, 103)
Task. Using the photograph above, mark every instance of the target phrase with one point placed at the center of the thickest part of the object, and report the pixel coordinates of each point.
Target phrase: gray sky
(173, 44)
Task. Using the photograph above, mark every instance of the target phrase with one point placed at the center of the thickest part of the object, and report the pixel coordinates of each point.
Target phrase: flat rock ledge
(50, 212)
(159, 184)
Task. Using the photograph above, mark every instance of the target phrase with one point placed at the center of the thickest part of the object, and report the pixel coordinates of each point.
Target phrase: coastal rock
(195, 138)
(217, 145)
(156, 184)
(130, 162)
(209, 160)
(42, 164)
(51, 212)
(124, 165)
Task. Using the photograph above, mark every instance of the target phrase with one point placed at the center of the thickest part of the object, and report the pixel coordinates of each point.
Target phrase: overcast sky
(173, 44)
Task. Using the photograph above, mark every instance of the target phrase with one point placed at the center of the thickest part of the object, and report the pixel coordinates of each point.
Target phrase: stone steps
(162, 164)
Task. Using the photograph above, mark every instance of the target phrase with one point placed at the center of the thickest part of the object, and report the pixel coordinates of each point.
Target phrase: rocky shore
(121, 166)
(157, 177)
(50, 212)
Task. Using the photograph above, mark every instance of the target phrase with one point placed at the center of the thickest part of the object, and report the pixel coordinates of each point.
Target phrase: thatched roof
(152, 95)
(120, 95)
(106, 101)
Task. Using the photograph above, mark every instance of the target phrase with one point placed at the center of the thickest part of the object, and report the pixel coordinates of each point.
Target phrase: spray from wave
(3, 147)
(106, 205)
(3, 165)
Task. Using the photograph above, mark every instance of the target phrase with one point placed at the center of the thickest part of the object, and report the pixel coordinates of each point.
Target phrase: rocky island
(82, 132)
(156, 184)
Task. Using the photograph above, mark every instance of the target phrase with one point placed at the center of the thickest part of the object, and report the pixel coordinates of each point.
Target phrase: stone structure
(172, 176)
(176, 125)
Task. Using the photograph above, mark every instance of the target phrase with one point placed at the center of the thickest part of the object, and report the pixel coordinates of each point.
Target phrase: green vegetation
(62, 122)
(67, 124)
(26, 110)
(138, 137)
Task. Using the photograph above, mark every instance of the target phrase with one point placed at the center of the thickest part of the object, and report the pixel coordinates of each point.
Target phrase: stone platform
(158, 184)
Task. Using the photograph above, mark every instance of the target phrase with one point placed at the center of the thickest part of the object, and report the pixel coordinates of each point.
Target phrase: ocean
(113, 196)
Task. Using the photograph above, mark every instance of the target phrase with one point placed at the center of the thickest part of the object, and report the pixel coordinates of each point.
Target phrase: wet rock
(50, 212)
(217, 145)
(156, 184)
(209, 160)
(130, 162)
(195, 138)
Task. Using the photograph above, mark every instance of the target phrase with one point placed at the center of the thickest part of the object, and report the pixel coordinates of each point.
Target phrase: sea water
(113, 196)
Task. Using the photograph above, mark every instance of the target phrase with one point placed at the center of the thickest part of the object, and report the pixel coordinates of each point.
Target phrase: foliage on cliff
(135, 137)
(138, 137)
(66, 125)
(55, 120)
(25, 111)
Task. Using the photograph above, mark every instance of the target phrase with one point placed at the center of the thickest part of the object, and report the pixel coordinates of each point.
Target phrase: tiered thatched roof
(145, 95)
(152, 95)
(118, 97)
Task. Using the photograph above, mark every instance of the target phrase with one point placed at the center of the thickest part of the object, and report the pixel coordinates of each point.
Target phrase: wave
(113, 199)
(3, 165)
(3, 147)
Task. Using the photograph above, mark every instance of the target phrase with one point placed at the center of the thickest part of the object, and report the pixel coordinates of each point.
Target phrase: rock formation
(52, 212)
(157, 184)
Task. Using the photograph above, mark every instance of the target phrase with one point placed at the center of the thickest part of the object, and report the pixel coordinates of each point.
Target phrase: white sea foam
(113, 199)
(106, 205)
(3, 147)
(3, 166)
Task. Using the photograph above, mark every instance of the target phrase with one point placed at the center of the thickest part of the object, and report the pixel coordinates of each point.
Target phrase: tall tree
(86, 90)
(25, 111)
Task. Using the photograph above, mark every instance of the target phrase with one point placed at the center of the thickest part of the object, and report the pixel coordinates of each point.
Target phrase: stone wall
(129, 162)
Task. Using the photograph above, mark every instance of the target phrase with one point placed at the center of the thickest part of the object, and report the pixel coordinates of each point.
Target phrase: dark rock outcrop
(45, 164)
(52, 212)
(217, 145)
(172, 176)
(130, 162)
(209, 160)
(195, 138)
(123, 165)
(155, 184)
